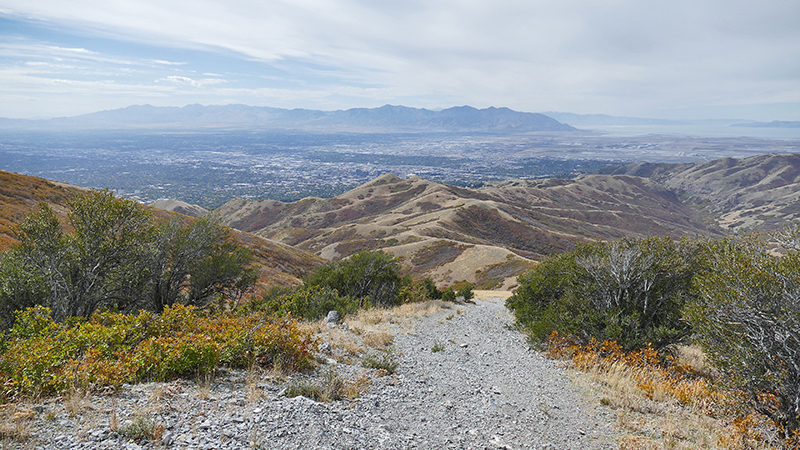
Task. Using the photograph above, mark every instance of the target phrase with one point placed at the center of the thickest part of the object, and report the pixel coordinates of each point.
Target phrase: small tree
(96, 265)
(117, 257)
(747, 318)
(373, 277)
(193, 263)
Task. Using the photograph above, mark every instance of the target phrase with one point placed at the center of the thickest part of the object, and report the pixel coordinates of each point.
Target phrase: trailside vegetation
(738, 298)
(367, 279)
(112, 254)
(747, 319)
(42, 357)
(631, 291)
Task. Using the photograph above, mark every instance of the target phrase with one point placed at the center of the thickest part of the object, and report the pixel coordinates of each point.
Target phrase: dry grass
(660, 408)
(15, 423)
(204, 386)
(75, 401)
(378, 339)
(373, 328)
(330, 387)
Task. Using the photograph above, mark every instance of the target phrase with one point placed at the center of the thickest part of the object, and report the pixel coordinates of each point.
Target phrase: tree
(117, 256)
(193, 263)
(747, 319)
(96, 265)
(373, 277)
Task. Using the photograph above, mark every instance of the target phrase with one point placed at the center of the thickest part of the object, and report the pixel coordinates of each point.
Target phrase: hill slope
(757, 193)
(486, 235)
(278, 263)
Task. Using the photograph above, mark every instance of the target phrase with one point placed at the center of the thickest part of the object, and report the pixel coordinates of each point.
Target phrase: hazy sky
(647, 58)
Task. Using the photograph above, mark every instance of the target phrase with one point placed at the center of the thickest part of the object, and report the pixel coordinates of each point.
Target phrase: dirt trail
(486, 388)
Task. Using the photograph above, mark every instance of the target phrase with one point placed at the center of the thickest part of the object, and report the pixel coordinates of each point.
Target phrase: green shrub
(449, 294)
(630, 291)
(431, 289)
(464, 290)
(747, 319)
(42, 357)
(307, 302)
(371, 277)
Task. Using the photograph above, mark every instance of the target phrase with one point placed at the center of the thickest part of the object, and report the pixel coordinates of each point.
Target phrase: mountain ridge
(387, 118)
(487, 235)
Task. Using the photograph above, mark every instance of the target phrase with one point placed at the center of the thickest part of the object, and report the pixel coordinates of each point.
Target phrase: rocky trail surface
(482, 388)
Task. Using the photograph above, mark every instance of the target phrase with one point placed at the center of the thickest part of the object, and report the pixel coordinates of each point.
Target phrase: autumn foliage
(41, 357)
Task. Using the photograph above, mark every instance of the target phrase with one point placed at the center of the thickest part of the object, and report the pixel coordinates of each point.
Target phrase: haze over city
(670, 60)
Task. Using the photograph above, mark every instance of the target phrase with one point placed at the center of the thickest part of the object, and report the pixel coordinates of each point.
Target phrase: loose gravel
(483, 388)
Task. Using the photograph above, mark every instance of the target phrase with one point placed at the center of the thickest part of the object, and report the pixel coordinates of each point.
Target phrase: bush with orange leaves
(41, 357)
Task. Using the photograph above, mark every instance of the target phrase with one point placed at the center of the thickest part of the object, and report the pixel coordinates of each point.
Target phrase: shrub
(371, 277)
(465, 291)
(630, 291)
(433, 292)
(449, 295)
(41, 357)
(747, 318)
(117, 257)
(311, 303)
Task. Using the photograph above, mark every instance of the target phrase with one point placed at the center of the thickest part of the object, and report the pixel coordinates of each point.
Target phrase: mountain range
(386, 119)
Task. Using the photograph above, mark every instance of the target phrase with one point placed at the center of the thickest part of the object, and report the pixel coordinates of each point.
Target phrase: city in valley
(210, 168)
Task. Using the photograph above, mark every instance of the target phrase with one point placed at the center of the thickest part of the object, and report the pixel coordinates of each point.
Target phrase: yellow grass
(662, 407)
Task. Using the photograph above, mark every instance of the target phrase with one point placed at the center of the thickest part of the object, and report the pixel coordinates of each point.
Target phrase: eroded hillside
(487, 235)
(756, 193)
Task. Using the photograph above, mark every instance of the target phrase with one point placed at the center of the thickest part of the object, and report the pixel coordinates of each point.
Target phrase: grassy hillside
(756, 193)
(19, 195)
(486, 236)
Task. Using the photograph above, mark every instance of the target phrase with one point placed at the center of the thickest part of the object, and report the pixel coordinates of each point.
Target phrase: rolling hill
(758, 193)
(486, 236)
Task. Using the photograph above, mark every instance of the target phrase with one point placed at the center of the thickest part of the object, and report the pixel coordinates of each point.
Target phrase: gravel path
(483, 390)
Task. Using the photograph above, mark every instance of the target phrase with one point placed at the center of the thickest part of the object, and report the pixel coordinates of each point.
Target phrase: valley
(210, 167)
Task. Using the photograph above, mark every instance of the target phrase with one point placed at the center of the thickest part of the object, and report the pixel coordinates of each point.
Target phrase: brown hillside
(756, 193)
(20, 194)
(279, 263)
(486, 235)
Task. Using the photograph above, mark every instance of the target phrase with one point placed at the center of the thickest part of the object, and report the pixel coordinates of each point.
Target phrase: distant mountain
(487, 236)
(582, 120)
(756, 193)
(384, 119)
(773, 124)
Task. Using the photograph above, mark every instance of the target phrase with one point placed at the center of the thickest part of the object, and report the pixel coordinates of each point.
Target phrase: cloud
(186, 81)
(628, 57)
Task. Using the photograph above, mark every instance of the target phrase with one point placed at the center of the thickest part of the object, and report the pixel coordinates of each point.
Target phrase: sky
(676, 59)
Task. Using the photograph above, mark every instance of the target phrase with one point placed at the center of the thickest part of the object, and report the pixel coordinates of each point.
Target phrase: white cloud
(631, 57)
(186, 81)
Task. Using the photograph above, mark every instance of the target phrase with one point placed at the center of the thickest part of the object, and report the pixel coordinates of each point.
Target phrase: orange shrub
(42, 357)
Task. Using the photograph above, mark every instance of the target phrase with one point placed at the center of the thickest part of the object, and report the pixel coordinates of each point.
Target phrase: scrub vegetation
(631, 304)
(111, 295)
